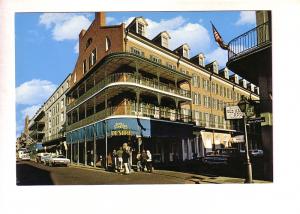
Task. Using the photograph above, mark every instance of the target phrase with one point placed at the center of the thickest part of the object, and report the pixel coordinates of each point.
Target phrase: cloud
(218, 54)
(34, 91)
(246, 17)
(64, 26)
(76, 47)
(110, 20)
(30, 111)
(180, 31)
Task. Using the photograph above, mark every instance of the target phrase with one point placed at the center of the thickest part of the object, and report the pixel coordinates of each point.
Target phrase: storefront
(93, 143)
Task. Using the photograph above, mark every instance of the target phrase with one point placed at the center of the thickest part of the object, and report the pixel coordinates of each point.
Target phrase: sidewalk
(189, 178)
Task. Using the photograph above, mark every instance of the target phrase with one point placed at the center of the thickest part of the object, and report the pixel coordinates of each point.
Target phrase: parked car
(57, 160)
(44, 158)
(25, 156)
(39, 156)
(225, 156)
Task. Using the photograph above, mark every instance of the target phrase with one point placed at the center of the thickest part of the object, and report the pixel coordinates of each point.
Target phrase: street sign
(233, 113)
(256, 120)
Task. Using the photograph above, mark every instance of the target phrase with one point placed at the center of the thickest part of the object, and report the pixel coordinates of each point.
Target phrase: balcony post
(77, 113)
(71, 150)
(159, 105)
(85, 106)
(136, 73)
(176, 110)
(94, 103)
(158, 81)
(85, 154)
(105, 103)
(137, 100)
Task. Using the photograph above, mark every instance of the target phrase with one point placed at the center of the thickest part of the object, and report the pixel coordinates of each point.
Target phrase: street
(32, 173)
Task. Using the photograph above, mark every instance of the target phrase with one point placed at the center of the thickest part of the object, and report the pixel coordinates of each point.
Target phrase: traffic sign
(256, 120)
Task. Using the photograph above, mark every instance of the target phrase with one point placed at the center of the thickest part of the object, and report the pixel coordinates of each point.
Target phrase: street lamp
(245, 107)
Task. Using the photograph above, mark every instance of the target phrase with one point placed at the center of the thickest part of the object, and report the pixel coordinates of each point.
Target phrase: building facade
(254, 62)
(48, 125)
(126, 88)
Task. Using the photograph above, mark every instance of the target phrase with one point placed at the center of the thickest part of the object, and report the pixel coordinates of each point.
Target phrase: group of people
(122, 160)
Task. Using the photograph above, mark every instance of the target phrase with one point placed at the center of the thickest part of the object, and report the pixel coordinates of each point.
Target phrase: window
(61, 117)
(84, 67)
(199, 99)
(165, 42)
(136, 51)
(217, 88)
(62, 103)
(49, 124)
(74, 80)
(141, 29)
(89, 41)
(107, 44)
(185, 53)
(171, 66)
(155, 59)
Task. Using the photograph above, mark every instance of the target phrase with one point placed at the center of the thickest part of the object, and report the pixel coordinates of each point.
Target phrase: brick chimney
(100, 19)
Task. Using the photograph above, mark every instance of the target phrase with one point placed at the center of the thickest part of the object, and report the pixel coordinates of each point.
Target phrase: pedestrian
(120, 158)
(139, 164)
(125, 157)
(144, 158)
(149, 161)
(129, 149)
(115, 159)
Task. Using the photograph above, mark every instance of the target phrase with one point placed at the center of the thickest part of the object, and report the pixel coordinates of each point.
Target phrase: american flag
(218, 38)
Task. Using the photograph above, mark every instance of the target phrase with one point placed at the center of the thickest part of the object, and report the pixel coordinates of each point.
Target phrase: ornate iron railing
(130, 108)
(132, 78)
(249, 41)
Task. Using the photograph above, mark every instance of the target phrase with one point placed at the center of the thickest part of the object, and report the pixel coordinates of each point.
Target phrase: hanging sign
(233, 113)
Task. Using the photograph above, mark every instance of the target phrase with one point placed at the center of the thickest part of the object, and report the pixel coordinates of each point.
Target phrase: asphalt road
(32, 173)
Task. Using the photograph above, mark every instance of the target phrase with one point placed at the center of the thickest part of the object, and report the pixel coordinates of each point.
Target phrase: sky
(46, 45)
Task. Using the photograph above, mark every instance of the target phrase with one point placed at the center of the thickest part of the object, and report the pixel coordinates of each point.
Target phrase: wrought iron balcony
(256, 38)
(130, 78)
(130, 108)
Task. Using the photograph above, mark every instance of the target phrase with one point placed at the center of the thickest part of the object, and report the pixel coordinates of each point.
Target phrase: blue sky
(46, 45)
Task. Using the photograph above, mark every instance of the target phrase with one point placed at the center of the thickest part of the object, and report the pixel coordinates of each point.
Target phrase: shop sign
(233, 113)
(122, 130)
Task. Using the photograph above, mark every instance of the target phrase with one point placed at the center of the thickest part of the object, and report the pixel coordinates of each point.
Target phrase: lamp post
(247, 111)
(106, 161)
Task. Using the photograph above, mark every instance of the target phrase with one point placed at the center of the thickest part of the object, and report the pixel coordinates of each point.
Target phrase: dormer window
(226, 73)
(201, 59)
(236, 79)
(215, 67)
(165, 42)
(185, 52)
(141, 29)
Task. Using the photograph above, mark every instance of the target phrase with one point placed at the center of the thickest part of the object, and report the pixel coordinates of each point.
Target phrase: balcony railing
(130, 108)
(249, 41)
(53, 137)
(132, 78)
(209, 124)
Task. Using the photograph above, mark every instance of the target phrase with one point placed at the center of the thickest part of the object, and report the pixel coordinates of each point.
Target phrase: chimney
(100, 19)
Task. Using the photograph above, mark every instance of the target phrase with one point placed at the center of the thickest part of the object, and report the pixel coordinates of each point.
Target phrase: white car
(25, 156)
(44, 158)
(57, 160)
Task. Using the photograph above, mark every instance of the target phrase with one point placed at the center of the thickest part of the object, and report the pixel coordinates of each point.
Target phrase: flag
(218, 38)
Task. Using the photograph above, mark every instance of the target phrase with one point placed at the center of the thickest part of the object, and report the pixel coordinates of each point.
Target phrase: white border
(281, 196)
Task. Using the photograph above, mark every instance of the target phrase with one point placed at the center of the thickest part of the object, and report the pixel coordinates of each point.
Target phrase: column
(159, 105)
(95, 158)
(78, 152)
(197, 145)
(136, 72)
(85, 110)
(94, 102)
(158, 81)
(106, 109)
(71, 150)
(183, 153)
(84, 86)
(77, 113)
(137, 100)
(176, 110)
(85, 152)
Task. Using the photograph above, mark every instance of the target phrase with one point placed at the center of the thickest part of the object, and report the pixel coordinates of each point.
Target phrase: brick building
(127, 88)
